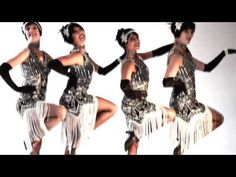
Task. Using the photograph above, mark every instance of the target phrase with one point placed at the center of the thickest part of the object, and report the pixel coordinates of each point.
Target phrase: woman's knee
(171, 114)
(220, 118)
(217, 118)
(110, 107)
(114, 108)
(63, 112)
(105, 105)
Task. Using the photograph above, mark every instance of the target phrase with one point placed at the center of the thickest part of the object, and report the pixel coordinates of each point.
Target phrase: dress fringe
(151, 122)
(188, 133)
(33, 122)
(71, 131)
(76, 129)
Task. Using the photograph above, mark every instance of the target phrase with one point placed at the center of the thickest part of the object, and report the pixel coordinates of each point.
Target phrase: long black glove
(178, 85)
(231, 51)
(111, 66)
(129, 93)
(210, 66)
(58, 67)
(4, 71)
(72, 82)
(162, 50)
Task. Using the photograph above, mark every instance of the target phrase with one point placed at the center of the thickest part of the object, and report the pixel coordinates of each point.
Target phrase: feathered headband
(35, 23)
(65, 31)
(124, 36)
(178, 26)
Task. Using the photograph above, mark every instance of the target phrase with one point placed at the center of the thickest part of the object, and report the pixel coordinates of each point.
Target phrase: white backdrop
(216, 89)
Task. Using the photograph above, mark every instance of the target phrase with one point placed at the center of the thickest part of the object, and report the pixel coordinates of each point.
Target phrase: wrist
(119, 60)
(226, 51)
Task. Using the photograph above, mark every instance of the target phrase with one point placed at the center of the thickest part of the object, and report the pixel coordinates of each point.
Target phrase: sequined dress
(74, 98)
(32, 106)
(142, 116)
(35, 73)
(81, 107)
(193, 119)
(184, 102)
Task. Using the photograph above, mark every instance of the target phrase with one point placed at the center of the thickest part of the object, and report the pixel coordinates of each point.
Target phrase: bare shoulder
(175, 58)
(128, 64)
(128, 67)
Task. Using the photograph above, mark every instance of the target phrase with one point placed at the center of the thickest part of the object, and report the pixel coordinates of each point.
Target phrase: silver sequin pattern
(135, 109)
(74, 98)
(185, 103)
(35, 73)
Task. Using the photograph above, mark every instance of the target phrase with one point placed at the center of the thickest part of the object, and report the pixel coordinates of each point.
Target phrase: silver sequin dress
(194, 119)
(32, 107)
(81, 107)
(142, 116)
(35, 73)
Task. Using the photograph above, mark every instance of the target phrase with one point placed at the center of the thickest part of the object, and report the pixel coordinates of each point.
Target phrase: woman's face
(32, 33)
(185, 36)
(133, 43)
(78, 36)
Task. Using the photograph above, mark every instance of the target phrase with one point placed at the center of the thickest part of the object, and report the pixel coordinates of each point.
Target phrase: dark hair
(178, 27)
(123, 35)
(67, 31)
(25, 24)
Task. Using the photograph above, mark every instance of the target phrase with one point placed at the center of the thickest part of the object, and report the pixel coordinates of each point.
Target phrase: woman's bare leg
(131, 144)
(36, 146)
(217, 118)
(170, 114)
(133, 149)
(106, 110)
(55, 115)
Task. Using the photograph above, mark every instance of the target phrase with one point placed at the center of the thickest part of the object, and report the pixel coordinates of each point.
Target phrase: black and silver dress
(142, 116)
(81, 107)
(32, 107)
(194, 119)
